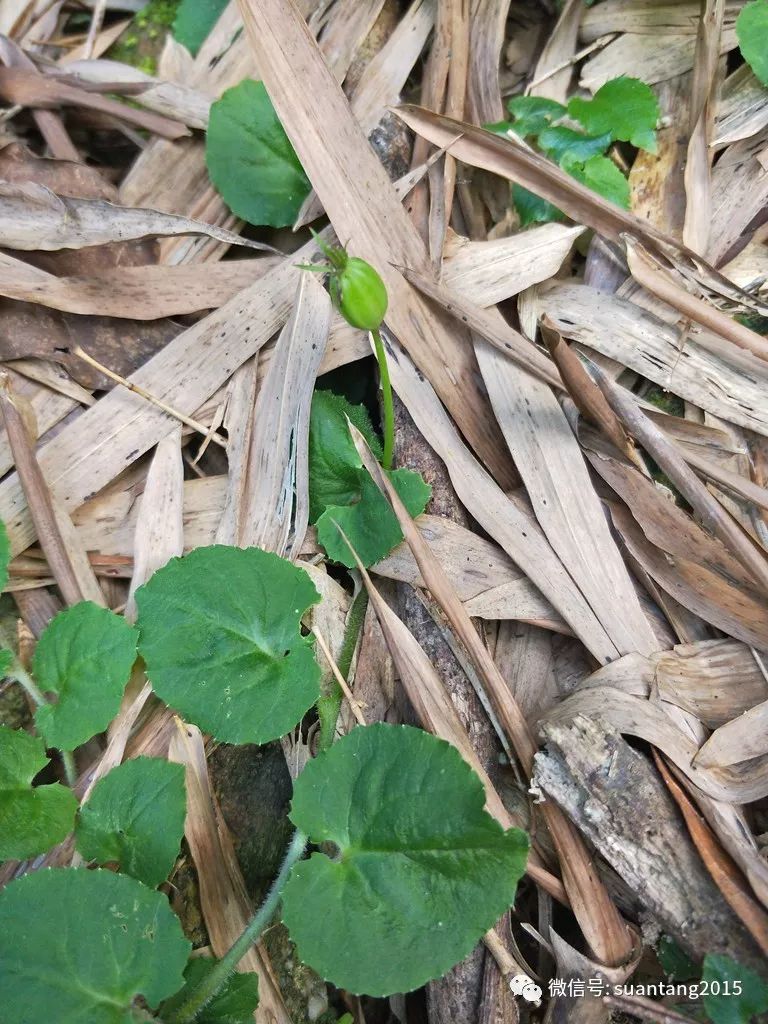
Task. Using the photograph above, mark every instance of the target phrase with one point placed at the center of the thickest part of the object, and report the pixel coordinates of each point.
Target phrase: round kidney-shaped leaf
(79, 945)
(421, 873)
(85, 657)
(32, 819)
(135, 817)
(220, 635)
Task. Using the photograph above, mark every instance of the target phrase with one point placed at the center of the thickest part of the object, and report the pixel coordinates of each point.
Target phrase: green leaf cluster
(624, 109)
(752, 33)
(342, 492)
(251, 160)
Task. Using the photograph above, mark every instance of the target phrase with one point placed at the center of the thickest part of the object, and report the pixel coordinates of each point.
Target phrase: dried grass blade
(225, 904)
(739, 740)
(603, 927)
(713, 515)
(59, 540)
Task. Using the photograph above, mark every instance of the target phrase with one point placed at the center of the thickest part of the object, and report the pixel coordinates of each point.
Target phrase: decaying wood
(634, 825)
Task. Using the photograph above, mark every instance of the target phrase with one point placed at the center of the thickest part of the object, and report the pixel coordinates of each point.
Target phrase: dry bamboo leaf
(607, 934)
(225, 905)
(32, 217)
(739, 740)
(550, 462)
(713, 516)
(364, 209)
(739, 193)
(641, 341)
(31, 89)
(742, 108)
(159, 523)
(703, 94)
(58, 537)
(486, 41)
(570, 964)
(718, 863)
(489, 272)
(136, 293)
(512, 528)
(716, 680)
(553, 79)
(657, 18)
(524, 657)
(276, 496)
(171, 99)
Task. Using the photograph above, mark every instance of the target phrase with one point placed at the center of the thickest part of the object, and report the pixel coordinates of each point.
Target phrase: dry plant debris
(384, 511)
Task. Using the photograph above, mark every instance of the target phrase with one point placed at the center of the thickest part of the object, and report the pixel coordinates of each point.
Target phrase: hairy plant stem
(210, 986)
(70, 772)
(387, 401)
(329, 705)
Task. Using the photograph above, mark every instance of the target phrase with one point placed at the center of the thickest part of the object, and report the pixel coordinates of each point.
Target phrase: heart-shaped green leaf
(421, 870)
(79, 945)
(736, 994)
(601, 175)
(752, 33)
(625, 107)
(234, 1004)
(251, 160)
(135, 818)
(32, 819)
(220, 635)
(84, 657)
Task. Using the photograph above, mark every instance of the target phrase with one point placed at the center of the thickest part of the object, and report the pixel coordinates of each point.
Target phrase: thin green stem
(20, 674)
(387, 401)
(68, 760)
(329, 705)
(214, 981)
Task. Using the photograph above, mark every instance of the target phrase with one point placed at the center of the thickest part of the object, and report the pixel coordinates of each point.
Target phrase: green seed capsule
(361, 295)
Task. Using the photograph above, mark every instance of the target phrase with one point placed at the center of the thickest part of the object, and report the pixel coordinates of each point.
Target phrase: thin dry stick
(646, 1009)
(597, 44)
(606, 932)
(147, 396)
(353, 703)
(714, 517)
(58, 538)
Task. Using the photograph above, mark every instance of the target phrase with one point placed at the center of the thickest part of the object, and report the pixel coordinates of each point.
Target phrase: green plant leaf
(234, 1004)
(603, 176)
(532, 209)
(533, 113)
(84, 657)
(727, 1006)
(79, 945)
(251, 160)
(7, 658)
(220, 635)
(135, 818)
(194, 20)
(675, 961)
(752, 33)
(370, 524)
(334, 473)
(560, 142)
(5, 555)
(625, 107)
(499, 127)
(32, 819)
(341, 489)
(421, 870)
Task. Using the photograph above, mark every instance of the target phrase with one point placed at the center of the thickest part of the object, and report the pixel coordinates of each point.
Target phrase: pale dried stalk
(59, 540)
(353, 704)
(607, 934)
(713, 515)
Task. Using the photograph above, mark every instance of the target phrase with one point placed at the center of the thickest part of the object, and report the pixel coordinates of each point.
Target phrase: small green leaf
(251, 160)
(334, 473)
(499, 127)
(752, 33)
(421, 870)
(603, 176)
(84, 657)
(32, 819)
(532, 209)
(533, 113)
(5, 555)
(625, 107)
(674, 960)
(194, 20)
(79, 945)
(220, 635)
(727, 1005)
(234, 1004)
(370, 524)
(135, 817)
(7, 658)
(560, 142)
